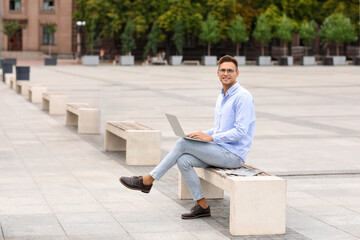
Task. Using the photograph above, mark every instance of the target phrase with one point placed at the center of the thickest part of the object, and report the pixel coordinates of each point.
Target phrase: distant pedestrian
(102, 53)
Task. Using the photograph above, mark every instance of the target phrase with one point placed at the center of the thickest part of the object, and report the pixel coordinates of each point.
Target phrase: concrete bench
(54, 102)
(85, 116)
(22, 87)
(10, 79)
(257, 203)
(142, 144)
(191, 62)
(35, 93)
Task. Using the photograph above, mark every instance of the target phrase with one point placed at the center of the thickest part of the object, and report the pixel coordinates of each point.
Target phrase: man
(228, 142)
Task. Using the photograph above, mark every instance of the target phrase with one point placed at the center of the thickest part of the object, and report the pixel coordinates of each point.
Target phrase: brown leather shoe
(135, 183)
(196, 212)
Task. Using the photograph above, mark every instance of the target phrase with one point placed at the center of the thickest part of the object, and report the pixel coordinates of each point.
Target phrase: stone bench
(10, 79)
(35, 93)
(142, 144)
(22, 87)
(191, 62)
(54, 102)
(257, 203)
(84, 116)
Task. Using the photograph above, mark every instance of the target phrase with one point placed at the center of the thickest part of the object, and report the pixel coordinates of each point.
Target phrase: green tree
(284, 32)
(90, 30)
(178, 37)
(349, 8)
(224, 11)
(237, 32)
(210, 32)
(307, 33)
(10, 27)
(337, 29)
(153, 38)
(262, 32)
(51, 29)
(127, 38)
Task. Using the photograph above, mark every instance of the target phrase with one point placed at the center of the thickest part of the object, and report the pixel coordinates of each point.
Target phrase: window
(47, 38)
(48, 5)
(15, 5)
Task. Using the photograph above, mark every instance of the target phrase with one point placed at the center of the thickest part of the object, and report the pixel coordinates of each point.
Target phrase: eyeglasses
(229, 71)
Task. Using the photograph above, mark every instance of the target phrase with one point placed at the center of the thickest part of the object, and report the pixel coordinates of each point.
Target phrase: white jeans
(188, 154)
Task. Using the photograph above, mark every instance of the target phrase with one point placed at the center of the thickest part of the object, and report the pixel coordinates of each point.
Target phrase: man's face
(227, 73)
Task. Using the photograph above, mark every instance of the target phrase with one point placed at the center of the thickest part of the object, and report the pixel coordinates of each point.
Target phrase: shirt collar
(231, 90)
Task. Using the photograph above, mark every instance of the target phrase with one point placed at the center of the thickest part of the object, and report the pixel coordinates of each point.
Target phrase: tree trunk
(337, 49)
(306, 50)
(50, 50)
(262, 50)
(285, 48)
(237, 49)
(209, 47)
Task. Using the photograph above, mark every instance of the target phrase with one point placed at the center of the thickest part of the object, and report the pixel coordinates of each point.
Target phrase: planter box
(241, 60)
(328, 61)
(126, 60)
(357, 61)
(334, 61)
(339, 60)
(90, 60)
(286, 61)
(6, 68)
(263, 61)
(308, 61)
(209, 60)
(10, 60)
(175, 60)
(50, 61)
(22, 73)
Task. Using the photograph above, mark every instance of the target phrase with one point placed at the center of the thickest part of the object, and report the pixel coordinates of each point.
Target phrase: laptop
(174, 123)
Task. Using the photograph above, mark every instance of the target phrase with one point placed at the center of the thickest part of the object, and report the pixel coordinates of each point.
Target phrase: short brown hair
(228, 58)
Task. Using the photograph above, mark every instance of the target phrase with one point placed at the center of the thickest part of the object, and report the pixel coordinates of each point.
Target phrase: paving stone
(307, 121)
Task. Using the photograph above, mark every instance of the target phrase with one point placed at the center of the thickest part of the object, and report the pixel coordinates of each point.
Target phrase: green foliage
(10, 27)
(284, 30)
(224, 11)
(337, 29)
(185, 11)
(153, 38)
(90, 30)
(262, 31)
(349, 8)
(237, 30)
(127, 39)
(209, 31)
(51, 29)
(178, 37)
(308, 32)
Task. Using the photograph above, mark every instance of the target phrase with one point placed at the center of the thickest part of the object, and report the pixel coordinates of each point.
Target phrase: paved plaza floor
(57, 184)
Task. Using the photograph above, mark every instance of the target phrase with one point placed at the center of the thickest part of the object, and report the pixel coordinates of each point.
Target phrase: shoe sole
(132, 188)
(198, 216)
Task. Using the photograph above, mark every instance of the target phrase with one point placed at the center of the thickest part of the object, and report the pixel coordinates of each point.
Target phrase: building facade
(33, 17)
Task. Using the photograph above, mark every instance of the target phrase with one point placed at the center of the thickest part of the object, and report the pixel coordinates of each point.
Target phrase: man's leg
(209, 153)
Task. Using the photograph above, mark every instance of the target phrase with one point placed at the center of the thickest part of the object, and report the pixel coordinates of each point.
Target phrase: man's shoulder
(243, 93)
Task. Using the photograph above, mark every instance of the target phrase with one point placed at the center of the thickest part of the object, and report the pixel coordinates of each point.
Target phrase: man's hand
(201, 136)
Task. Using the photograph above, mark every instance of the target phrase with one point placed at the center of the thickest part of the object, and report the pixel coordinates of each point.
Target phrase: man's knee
(180, 144)
(183, 162)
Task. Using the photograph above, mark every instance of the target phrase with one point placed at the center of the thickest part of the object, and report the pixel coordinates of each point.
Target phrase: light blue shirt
(234, 122)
